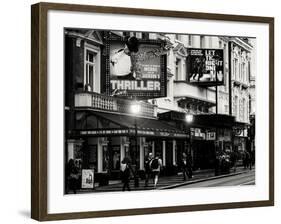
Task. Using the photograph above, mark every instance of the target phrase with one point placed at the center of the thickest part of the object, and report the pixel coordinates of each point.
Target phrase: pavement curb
(200, 180)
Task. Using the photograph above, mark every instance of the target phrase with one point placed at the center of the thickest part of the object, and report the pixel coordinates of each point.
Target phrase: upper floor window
(226, 107)
(210, 42)
(189, 40)
(134, 34)
(202, 40)
(220, 44)
(145, 36)
(235, 106)
(126, 34)
(178, 69)
(91, 79)
(240, 72)
(178, 37)
(235, 68)
(249, 70)
(90, 70)
(244, 72)
(241, 110)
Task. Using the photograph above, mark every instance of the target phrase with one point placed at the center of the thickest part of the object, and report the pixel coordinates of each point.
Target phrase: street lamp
(135, 109)
(189, 119)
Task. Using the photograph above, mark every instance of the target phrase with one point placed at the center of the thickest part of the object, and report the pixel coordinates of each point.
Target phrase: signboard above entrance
(136, 68)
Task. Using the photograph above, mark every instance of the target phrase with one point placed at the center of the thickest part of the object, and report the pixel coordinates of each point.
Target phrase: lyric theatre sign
(138, 73)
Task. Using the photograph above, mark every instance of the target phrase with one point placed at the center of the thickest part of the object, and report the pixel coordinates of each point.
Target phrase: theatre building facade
(101, 126)
(127, 97)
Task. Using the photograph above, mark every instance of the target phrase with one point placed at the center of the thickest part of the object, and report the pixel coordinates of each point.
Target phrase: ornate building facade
(101, 130)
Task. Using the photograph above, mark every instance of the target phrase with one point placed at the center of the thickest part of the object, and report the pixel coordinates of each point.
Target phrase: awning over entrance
(124, 125)
(214, 120)
(204, 120)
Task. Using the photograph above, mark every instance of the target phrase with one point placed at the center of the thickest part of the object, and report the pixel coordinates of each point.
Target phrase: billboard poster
(138, 72)
(87, 178)
(206, 66)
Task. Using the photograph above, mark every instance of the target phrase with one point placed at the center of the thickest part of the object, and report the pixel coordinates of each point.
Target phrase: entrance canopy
(215, 120)
(204, 120)
(125, 125)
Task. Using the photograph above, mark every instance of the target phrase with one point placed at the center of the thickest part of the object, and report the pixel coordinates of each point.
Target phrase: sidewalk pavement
(165, 182)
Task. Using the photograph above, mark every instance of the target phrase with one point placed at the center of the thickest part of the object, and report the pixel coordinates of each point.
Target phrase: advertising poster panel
(139, 72)
(205, 66)
(87, 178)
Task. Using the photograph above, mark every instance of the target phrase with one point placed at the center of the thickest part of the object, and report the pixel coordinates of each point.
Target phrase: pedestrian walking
(251, 160)
(186, 166)
(156, 165)
(225, 164)
(147, 168)
(234, 158)
(189, 166)
(246, 159)
(125, 173)
(218, 162)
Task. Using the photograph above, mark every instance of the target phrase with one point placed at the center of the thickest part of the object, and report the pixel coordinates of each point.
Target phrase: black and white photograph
(148, 111)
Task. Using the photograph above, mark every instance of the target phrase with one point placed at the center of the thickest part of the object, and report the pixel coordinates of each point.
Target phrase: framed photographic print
(138, 111)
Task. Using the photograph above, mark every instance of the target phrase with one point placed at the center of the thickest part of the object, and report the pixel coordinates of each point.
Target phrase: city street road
(247, 178)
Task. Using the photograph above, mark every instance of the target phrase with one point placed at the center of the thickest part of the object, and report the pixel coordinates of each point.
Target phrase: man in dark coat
(186, 166)
(147, 168)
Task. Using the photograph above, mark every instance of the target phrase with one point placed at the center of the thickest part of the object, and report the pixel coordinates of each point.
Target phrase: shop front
(102, 140)
(212, 135)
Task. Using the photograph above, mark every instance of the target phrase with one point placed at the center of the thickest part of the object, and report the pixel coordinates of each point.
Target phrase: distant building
(185, 97)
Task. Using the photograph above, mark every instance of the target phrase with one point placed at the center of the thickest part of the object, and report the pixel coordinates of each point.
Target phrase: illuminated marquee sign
(205, 66)
(138, 74)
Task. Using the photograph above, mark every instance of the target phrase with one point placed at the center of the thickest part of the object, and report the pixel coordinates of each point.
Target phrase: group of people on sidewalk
(225, 160)
(152, 166)
(152, 169)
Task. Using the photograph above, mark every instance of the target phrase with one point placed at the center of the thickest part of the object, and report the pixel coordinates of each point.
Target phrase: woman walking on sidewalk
(156, 165)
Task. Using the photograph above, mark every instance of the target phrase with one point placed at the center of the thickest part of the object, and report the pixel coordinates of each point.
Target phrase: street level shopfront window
(147, 149)
(127, 151)
(77, 151)
(159, 147)
(115, 157)
(105, 159)
(93, 157)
